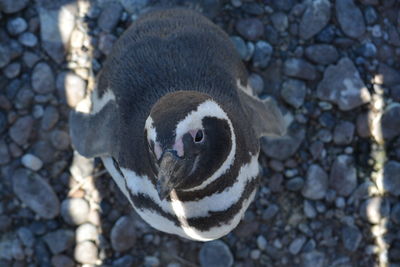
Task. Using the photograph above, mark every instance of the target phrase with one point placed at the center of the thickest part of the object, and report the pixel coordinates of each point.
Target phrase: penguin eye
(199, 136)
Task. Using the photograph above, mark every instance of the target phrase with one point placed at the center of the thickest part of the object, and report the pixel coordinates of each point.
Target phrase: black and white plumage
(175, 125)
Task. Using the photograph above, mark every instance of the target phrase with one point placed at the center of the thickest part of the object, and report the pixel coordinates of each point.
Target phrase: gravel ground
(330, 189)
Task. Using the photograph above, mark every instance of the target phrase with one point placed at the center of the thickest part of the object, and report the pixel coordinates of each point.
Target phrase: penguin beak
(172, 168)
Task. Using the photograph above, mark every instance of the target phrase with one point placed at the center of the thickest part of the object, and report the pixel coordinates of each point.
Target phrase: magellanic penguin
(174, 122)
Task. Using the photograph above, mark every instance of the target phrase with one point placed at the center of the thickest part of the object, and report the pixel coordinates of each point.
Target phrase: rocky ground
(330, 189)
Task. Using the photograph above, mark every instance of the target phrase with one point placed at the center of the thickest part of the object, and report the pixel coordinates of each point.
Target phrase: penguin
(175, 123)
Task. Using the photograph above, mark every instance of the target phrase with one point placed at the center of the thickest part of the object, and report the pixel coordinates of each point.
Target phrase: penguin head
(189, 139)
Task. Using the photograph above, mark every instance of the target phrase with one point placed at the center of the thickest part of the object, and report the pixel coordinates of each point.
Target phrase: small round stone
(62, 261)
(12, 70)
(86, 252)
(28, 39)
(32, 162)
(86, 231)
(151, 261)
(215, 253)
(123, 234)
(262, 54)
(60, 140)
(43, 81)
(75, 211)
(16, 26)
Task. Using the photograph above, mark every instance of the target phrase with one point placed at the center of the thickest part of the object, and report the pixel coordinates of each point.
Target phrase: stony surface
(329, 190)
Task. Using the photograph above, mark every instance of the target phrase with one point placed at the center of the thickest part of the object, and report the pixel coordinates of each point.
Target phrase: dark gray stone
(44, 151)
(30, 59)
(4, 154)
(315, 18)
(124, 261)
(60, 140)
(343, 176)
(20, 131)
(270, 212)
(110, 16)
(250, 28)
(395, 214)
(26, 237)
(350, 18)
(262, 54)
(390, 121)
(391, 177)
(106, 42)
(62, 261)
(293, 92)
(12, 70)
(3, 122)
(16, 25)
(215, 254)
(36, 193)
(343, 86)
(12, 6)
(367, 49)
(50, 118)
(75, 211)
(323, 54)
(343, 133)
(282, 148)
(5, 56)
(316, 184)
(351, 237)
(60, 240)
(389, 76)
(313, 259)
(295, 184)
(297, 245)
(28, 39)
(43, 81)
(299, 68)
(280, 21)
(123, 234)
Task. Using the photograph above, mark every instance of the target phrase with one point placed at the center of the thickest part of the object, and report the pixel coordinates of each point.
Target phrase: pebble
(343, 86)
(36, 193)
(13, 6)
(271, 35)
(44, 151)
(391, 177)
(282, 148)
(124, 261)
(395, 214)
(387, 75)
(390, 122)
(30, 59)
(16, 26)
(343, 133)
(26, 237)
(297, 245)
(32, 162)
(313, 259)
(4, 153)
(110, 16)
(294, 92)
(60, 140)
(50, 118)
(350, 18)
(351, 237)
(28, 39)
(87, 231)
(270, 212)
(250, 28)
(60, 240)
(262, 54)
(43, 81)
(262, 243)
(151, 261)
(315, 18)
(374, 209)
(370, 15)
(367, 49)
(340, 202)
(323, 54)
(62, 261)
(280, 21)
(106, 42)
(5, 57)
(295, 184)
(299, 68)
(316, 183)
(20, 131)
(241, 47)
(214, 254)
(75, 211)
(309, 209)
(71, 87)
(123, 234)
(86, 252)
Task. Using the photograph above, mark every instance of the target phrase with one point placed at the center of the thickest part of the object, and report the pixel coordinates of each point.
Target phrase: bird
(174, 120)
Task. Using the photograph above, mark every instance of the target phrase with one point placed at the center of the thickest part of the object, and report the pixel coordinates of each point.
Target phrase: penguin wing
(264, 115)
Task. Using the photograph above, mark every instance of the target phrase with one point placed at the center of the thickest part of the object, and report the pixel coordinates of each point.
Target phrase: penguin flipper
(264, 115)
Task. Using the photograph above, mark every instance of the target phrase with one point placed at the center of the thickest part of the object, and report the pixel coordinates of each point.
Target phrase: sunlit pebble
(348, 150)
(32, 162)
